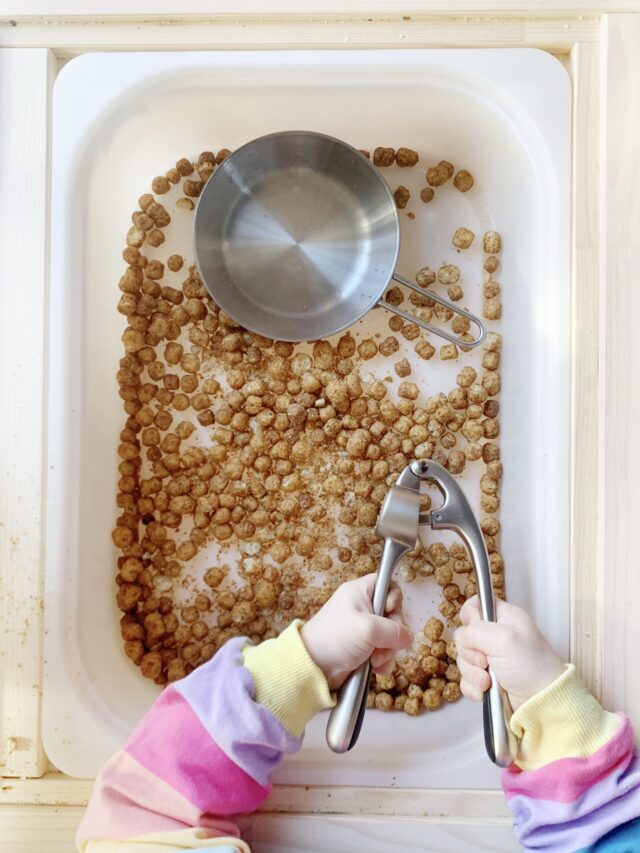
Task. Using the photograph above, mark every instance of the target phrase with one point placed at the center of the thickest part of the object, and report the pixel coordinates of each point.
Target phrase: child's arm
(206, 749)
(575, 785)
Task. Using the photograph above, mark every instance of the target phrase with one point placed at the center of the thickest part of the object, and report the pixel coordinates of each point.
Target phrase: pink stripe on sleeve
(567, 779)
(173, 744)
(128, 800)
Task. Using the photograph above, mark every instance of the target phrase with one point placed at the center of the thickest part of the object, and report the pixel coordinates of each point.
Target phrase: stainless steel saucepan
(296, 237)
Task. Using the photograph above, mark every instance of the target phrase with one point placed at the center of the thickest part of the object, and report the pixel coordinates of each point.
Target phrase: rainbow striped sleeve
(575, 786)
(205, 751)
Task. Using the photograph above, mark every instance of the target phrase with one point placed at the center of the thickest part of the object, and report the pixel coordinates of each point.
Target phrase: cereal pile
(302, 445)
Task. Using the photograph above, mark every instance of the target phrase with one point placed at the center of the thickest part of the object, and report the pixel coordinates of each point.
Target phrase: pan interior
(296, 236)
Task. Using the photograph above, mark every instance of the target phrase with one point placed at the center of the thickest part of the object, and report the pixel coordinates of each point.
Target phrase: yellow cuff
(288, 682)
(561, 721)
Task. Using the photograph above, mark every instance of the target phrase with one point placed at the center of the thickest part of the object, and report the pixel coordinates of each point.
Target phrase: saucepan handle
(442, 333)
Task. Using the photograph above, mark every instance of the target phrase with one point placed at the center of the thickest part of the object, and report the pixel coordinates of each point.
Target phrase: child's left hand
(345, 633)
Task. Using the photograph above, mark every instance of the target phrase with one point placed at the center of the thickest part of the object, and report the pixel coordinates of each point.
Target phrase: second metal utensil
(296, 236)
(398, 524)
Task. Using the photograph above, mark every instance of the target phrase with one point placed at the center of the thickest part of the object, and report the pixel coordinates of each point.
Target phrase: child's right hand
(345, 633)
(521, 659)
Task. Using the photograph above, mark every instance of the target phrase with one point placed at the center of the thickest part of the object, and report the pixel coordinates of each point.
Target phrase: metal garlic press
(398, 525)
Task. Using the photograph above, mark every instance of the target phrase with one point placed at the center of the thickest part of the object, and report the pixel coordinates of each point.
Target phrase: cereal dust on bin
(303, 449)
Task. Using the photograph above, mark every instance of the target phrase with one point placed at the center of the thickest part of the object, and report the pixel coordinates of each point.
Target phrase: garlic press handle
(345, 719)
(456, 514)
(500, 742)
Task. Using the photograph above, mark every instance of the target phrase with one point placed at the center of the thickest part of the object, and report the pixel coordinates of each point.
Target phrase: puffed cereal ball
(367, 349)
(491, 289)
(175, 262)
(383, 156)
(491, 243)
(424, 350)
(448, 352)
(463, 181)
(412, 707)
(414, 691)
(440, 174)
(466, 377)
(492, 309)
(490, 503)
(410, 332)
(145, 201)
(184, 167)
(385, 682)
(451, 692)
(408, 390)
(473, 451)
(406, 157)
(192, 188)
(451, 592)
(160, 185)
(456, 461)
(438, 554)
(491, 360)
(493, 342)
(491, 264)
(433, 628)
(490, 526)
(158, 213)
(425, 277)
(176, 670)
(448, 274)
(151, 665)
(439, 649)
(432, 699)
(394, 296)
(463, 238)
(402, 368)
(401, 195)
(443, 575)
(389, 346)
(383, 701)
(452, 673)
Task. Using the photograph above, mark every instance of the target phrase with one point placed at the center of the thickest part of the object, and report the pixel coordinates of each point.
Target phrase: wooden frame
(600, 44)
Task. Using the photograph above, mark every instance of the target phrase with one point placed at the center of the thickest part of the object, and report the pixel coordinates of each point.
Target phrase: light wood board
(26, 78)
(620, 460)
(605, 68)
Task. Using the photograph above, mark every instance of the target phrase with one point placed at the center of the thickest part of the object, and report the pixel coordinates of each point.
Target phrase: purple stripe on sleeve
(248, 733)
(559, 826)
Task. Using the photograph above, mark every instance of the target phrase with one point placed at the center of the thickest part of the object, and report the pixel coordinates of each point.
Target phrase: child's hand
(344, 633)
(522, 660)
